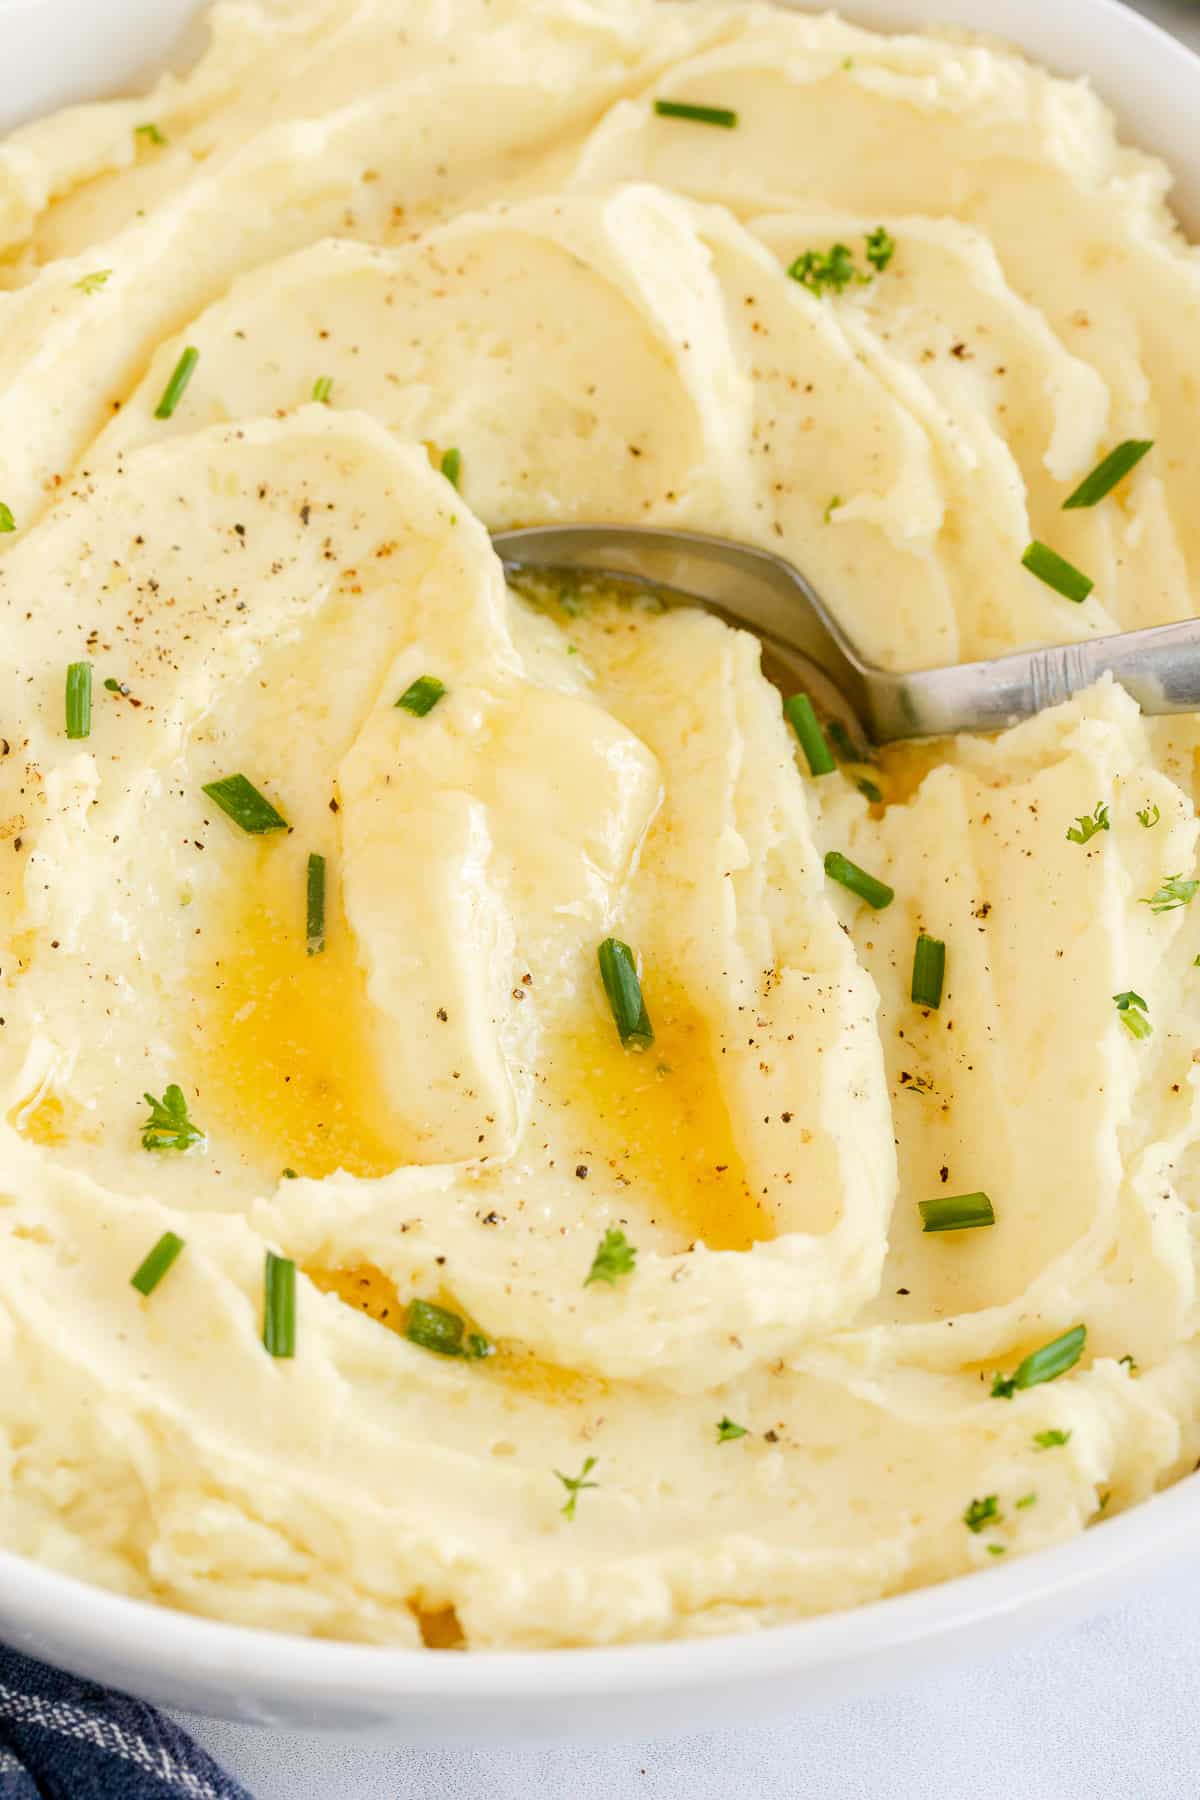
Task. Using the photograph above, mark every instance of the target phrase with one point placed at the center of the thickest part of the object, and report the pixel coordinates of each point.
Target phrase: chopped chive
(322, 388)
(315, 897)
(831, 508)
(279, 1305)
(1026, 1500)
(618, 972)
(434, 1328)
(1057, 572)
(868, 790)
(700, 115)
(844, 746)
(1127, 1362)
(876, 893)
(422, 696)
(1046, 1364)
(833, 269)
(801, 716)
(151, 133)
(956, 1212)
(1052, 1439)
(173, 392)
(150, 1272)
(91, 284)
(452, 466)
(997, 1549)
(1132, 1010)
(727, 1431)
(929, 971)
(1148, 816)
(7, 522)
(241, 801)
(79, 699)
(113, 686)
(1105, 476)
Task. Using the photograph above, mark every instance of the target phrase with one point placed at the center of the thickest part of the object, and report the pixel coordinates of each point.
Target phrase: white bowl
(58, 51)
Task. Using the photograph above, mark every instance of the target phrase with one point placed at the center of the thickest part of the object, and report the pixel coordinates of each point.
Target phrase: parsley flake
(574, 1484)
(1052, 1439)
(1173, 893)
(91, 284)
(727, 1430)
(1148, 816)
(615, 1256)
(881, 247)
(169, 1127)
(1087, 825)
(982, 1512)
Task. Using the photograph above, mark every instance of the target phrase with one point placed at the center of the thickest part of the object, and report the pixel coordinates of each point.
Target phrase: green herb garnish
(822, 270)
(79, 699)
(169, 1127)
(1052, 1439)
(700, 115)
(615, 1256)
(322, 388)
(982, 1512)
(868, 790)
(881, 247)
(997, 1549)
(437, 1328)
(241, 801)
(727, 1431)
(1088, 824)
(876, 893)
(279, 1305)
(422, 696)
(173, 392)
(575, 1483)
(452, 466)
(618, 972)
(1046, 1364)
(1127, 1362)
(801, 716)
(1105, 476)
(150, 1272)
(928, 973)
(1133, 1009)
(1174, 892)
(1057, 572)
(91, 284)
(832, 507)
(151, 133)
(314, 891)
(1148, 816)
(7, 522)
(956, 1212)
(1026, 1500)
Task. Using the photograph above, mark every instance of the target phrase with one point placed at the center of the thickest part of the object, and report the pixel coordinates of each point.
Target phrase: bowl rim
(1142, 71)
(1101, 1556)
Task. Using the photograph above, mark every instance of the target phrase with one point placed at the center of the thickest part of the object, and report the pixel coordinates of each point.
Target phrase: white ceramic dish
(57, 51)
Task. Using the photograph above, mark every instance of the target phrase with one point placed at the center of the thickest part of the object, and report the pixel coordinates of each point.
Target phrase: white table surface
(1109, 1711)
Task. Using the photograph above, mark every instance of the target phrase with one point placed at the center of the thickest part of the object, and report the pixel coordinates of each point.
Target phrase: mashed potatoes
(391, 234)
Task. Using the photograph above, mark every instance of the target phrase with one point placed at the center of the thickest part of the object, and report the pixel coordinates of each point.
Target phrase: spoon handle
(1159, 667)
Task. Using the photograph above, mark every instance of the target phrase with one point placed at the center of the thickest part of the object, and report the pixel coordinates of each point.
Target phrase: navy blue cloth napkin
(66, 1739)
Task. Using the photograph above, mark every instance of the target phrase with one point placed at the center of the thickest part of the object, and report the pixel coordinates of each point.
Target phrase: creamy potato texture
(470, 225)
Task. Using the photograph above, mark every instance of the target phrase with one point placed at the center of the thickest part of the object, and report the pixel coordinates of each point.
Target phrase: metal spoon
(805, 648)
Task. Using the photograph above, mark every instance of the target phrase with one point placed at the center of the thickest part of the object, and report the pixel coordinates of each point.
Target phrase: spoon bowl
(804, 647)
